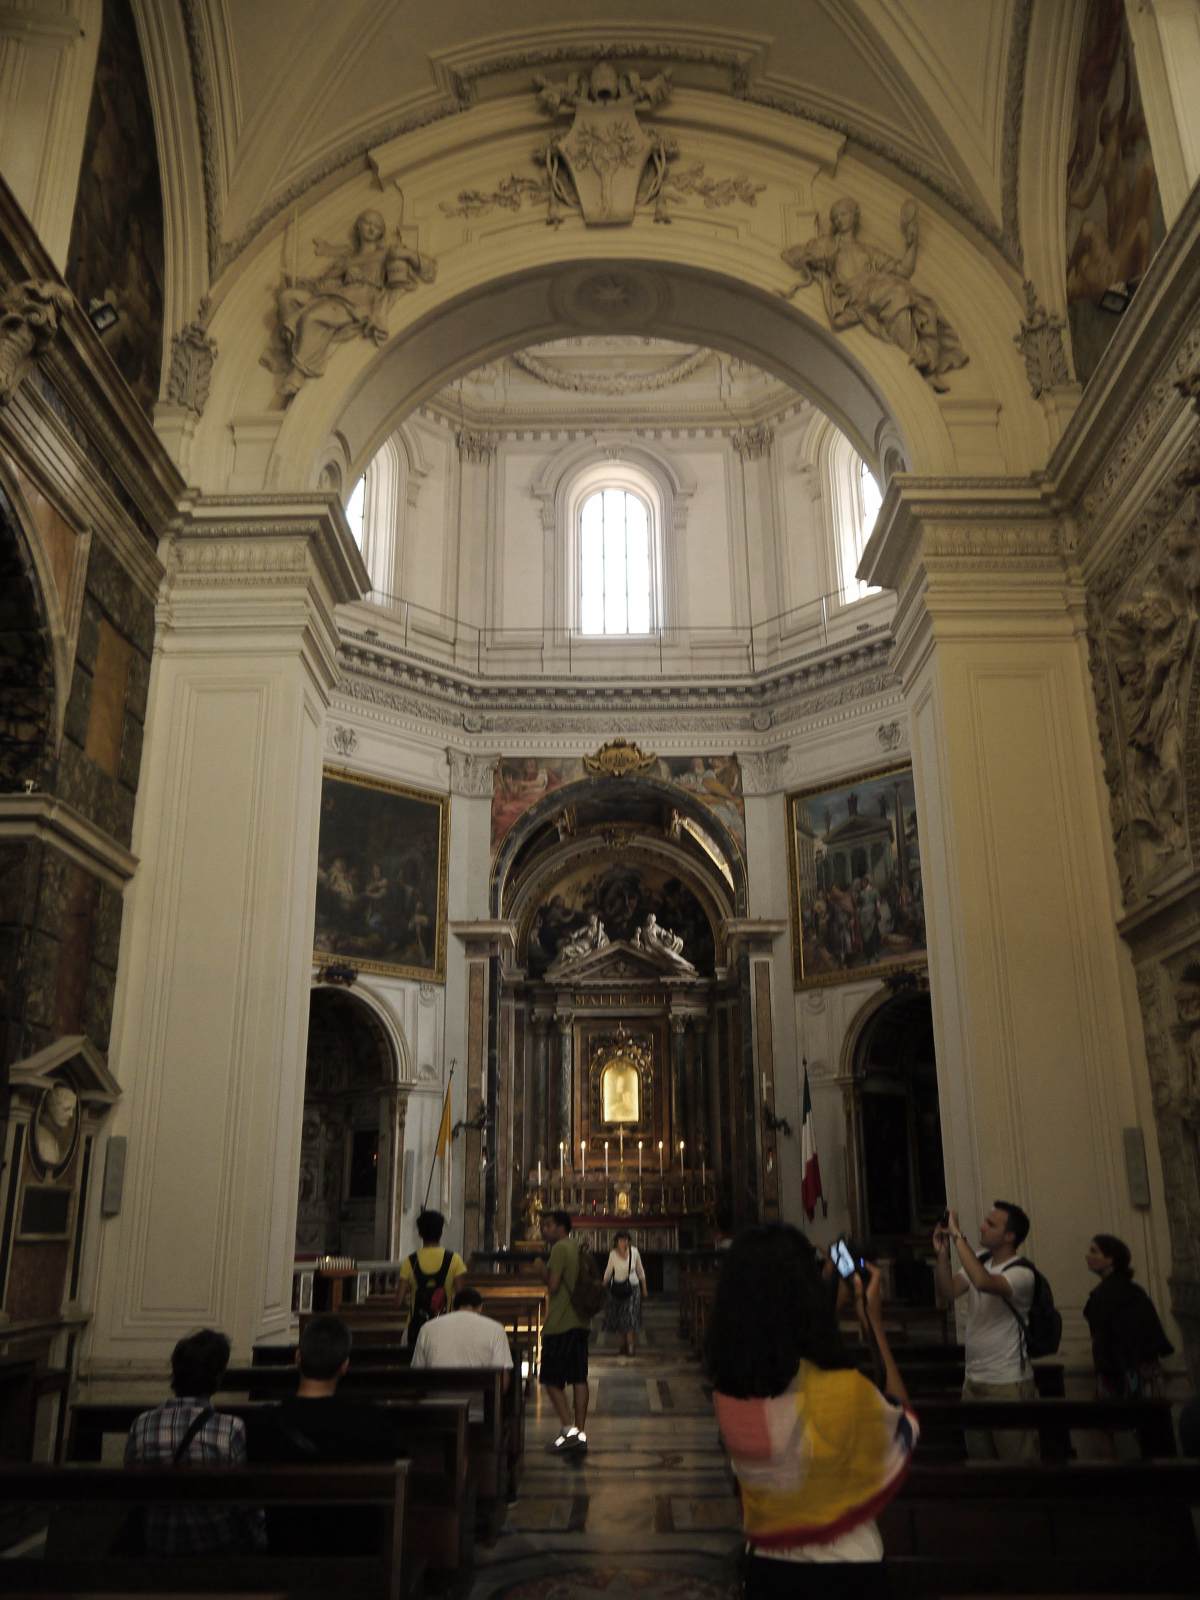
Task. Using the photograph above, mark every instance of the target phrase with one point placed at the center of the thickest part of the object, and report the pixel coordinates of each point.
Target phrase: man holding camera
(1000, 1295)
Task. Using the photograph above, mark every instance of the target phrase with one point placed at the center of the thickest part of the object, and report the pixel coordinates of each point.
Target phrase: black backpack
(429, 1294)
(587, 1297)
(1041, 1334)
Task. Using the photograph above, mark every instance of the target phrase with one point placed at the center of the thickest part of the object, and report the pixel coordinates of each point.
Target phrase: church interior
(600, 611)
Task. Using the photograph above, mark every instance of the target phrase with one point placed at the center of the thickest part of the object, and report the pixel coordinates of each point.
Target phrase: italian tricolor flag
(810, 1189)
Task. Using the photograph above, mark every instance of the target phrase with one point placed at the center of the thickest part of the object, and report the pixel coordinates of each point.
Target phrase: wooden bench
(943, 1421)
(388, 1573)
(496, 1434)
(441, 1486)
(996, 1528)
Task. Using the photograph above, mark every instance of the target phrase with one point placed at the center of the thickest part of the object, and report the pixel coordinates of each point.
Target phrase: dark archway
(352, 1133)
(896, 1137)
(26, 663)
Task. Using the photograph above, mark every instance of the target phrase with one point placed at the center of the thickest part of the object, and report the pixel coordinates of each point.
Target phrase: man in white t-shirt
(464, 1338)
(1000, 1296)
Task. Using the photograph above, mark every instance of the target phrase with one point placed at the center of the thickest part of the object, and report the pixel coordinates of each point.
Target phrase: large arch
(505, 280)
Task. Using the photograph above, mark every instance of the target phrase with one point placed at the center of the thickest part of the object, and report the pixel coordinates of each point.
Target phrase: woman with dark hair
(625, 1279)
(818, 1450)
(1127, 1337)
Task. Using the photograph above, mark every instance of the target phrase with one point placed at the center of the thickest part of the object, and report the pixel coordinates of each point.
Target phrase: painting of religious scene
(857, 900)
(381, 877)
(521, 781)
(622, 897)
(116, 252)
(1114, 213)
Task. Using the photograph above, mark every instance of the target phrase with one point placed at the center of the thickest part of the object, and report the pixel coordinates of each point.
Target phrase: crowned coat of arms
(607, 164)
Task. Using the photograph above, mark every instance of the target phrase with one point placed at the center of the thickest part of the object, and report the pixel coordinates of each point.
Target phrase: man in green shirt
(564, 1336)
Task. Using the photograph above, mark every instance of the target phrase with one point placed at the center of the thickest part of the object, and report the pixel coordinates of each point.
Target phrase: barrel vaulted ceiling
(292, 93)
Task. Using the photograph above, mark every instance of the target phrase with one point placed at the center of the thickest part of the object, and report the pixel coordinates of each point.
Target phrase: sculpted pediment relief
(619, 960)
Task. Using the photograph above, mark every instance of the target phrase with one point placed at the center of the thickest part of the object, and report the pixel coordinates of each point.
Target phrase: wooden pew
(495, 1437)
(441, 1487)
(943, 1421)
(1093, 1528)
(378, 1372)
(388, 1573)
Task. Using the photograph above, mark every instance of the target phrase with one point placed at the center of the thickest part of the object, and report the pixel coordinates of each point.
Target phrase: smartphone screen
(842, 1259)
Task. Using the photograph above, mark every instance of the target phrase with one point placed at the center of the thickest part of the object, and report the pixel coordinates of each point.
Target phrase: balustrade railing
(680, 653)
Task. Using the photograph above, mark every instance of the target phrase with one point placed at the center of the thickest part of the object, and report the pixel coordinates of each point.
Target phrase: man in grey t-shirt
(1000, 1297)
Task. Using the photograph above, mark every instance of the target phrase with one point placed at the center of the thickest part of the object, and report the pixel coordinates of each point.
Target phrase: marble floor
(650, 1510)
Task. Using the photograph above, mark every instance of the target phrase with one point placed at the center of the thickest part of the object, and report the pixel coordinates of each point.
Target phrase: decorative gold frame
(326, 950)
(911, 959)
(622, 1047)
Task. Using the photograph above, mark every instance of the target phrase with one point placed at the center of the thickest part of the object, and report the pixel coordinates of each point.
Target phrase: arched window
(854, 501)
(355, 509)
(616, 573)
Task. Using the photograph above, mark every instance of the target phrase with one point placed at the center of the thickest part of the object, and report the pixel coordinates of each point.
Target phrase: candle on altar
(702, 1174)
(639, 1161)
(606, 1160)
(621, 1144)
(539, 1172)
(583, 1157)
(561, 1158)
(681, 1155)
(660, 1150)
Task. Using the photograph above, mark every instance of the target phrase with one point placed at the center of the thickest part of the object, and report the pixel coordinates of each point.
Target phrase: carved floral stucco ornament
(193, 352)
(607, 165)
(1040, 341)
(29, 314)
(618, 758)
(348, 299)
(863, 287)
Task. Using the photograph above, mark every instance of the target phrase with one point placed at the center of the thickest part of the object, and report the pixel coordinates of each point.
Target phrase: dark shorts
(564, 1358)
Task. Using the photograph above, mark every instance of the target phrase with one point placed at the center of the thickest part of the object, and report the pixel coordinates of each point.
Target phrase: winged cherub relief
(863, 286)
(348, 299)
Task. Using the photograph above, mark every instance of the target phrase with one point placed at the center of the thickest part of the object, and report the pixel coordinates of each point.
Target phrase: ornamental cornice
(269, 534)
(956, 525)
(1172, 501)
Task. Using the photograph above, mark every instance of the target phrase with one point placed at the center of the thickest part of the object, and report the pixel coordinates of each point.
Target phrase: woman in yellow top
(817, 1448)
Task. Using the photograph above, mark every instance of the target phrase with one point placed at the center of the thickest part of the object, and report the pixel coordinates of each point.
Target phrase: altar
(621, 1064)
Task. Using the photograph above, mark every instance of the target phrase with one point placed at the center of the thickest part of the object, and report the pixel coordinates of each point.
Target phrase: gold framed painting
(382, 863)
(855, 885)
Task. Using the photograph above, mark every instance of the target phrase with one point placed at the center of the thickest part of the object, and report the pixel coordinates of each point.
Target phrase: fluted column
(679, 1095)
(698, 1099)
(539, 1141)
(563, 1086)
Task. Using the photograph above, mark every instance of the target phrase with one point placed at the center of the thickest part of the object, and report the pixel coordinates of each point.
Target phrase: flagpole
(442, 1146)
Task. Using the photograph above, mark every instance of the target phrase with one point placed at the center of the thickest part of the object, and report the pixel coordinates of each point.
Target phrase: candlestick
(639, 1162)
(621, 1140)
(606, 1160)
(702, 1173)
(681, 1155)
(660, 1151)
(583, 1158)
(561, 1158)
(539, 1172)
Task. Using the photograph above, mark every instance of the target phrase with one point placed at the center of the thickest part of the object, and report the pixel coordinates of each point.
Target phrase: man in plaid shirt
(160, 1438)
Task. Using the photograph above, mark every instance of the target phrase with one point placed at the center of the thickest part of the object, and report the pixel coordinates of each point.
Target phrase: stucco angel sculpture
(348, 300)
(662, 942)
(863, 286)
(590, 937)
